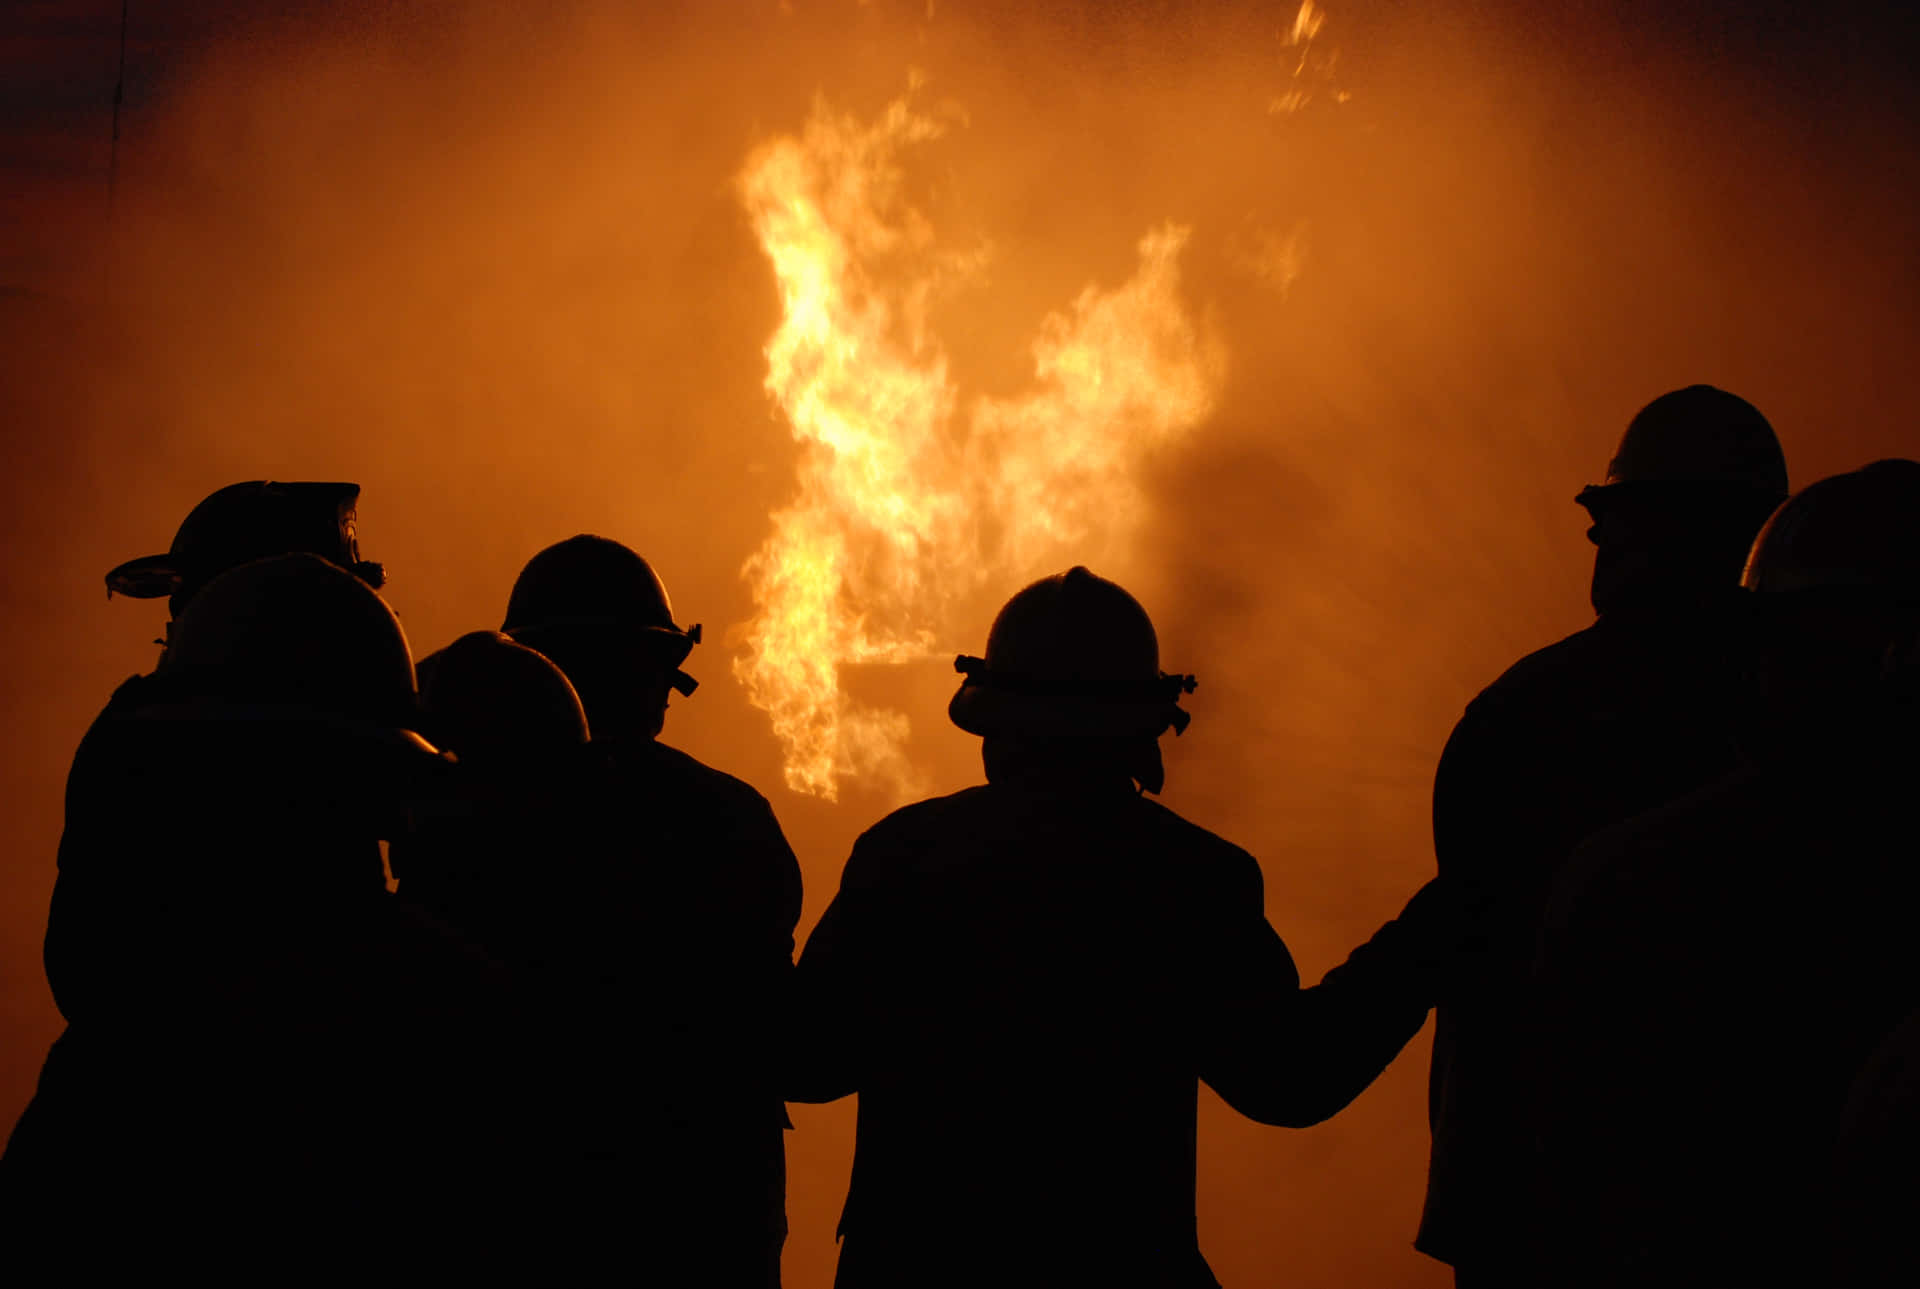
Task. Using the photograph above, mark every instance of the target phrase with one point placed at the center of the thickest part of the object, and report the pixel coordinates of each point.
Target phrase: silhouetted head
(498, 703)
(1697, 473)
(1071, 685)
(600, 612)
(243, 522)
(1836, 575)
(291, 691)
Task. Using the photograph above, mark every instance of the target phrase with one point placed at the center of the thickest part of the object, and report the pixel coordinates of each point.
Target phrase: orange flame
(896, 516)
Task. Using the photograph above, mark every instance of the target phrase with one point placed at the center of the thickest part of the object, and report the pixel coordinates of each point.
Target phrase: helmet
(1702, 436)
(249, 521)
(592, 585)
(1071, 655)
(309, 670)
(1859, 530)
(295, 631)
(488, 695)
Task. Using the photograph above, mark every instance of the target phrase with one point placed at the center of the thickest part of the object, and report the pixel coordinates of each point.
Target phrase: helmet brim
(986, 710)
(151, 577)
(1688, 491)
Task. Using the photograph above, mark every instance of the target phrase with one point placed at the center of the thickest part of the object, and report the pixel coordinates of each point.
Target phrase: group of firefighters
(458, 970)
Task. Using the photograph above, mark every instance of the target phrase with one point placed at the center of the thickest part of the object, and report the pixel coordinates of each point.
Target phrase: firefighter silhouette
(1025, 983)
(1715, 974)
(502, 867)
(1630, 712)
(666, 930)
(235, 525)
(266, 1054)
(1874, 1199)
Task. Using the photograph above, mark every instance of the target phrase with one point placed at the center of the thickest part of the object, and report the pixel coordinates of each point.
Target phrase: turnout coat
(1025, 984)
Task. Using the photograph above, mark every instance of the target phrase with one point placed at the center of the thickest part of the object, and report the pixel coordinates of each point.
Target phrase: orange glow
(698, 278)
(1311, 69)
(898, 514)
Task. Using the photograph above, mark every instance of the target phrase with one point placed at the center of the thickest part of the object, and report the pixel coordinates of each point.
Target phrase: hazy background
(492, 266)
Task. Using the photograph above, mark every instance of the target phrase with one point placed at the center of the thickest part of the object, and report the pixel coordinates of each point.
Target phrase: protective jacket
(1714, 976)
(1875, 1196)
(1025, 984)
(260, 1039)
(652, 912)
(1616, 719)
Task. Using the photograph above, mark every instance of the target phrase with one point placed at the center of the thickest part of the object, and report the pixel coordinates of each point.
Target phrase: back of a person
(256, 1029)
(699, 894)
(646, 902)
(1632, 712)
(1618, 719)
(674, 897)
(1614, 720)
(1717, 972)
(1874, 1197)
(1026, 981)
(1046, 963)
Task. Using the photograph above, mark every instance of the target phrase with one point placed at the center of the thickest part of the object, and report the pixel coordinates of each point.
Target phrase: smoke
(498, 269)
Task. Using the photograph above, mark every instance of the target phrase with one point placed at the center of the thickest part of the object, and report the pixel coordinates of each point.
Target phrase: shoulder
(929, 832)
(700, 804)
(111, 734)
(1212, 858)
(682, 773)
(924, 823)
(1547, 671)
(1628, 652)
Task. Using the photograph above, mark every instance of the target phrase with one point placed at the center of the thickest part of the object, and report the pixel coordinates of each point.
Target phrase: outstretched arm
(1295, 1057)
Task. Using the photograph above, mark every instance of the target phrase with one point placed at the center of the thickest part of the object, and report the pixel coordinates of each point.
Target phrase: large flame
(897, 513)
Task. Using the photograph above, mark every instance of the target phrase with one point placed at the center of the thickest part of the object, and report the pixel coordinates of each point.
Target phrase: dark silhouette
(676, 895)
(239, 523)
(1616, 719)
(1874, 1201)
(1025, 982)
(506, 865)
(266, 1056)
(1715, 974)
(243, 522)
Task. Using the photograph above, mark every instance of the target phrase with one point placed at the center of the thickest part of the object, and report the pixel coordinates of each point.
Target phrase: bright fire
(902, 504)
